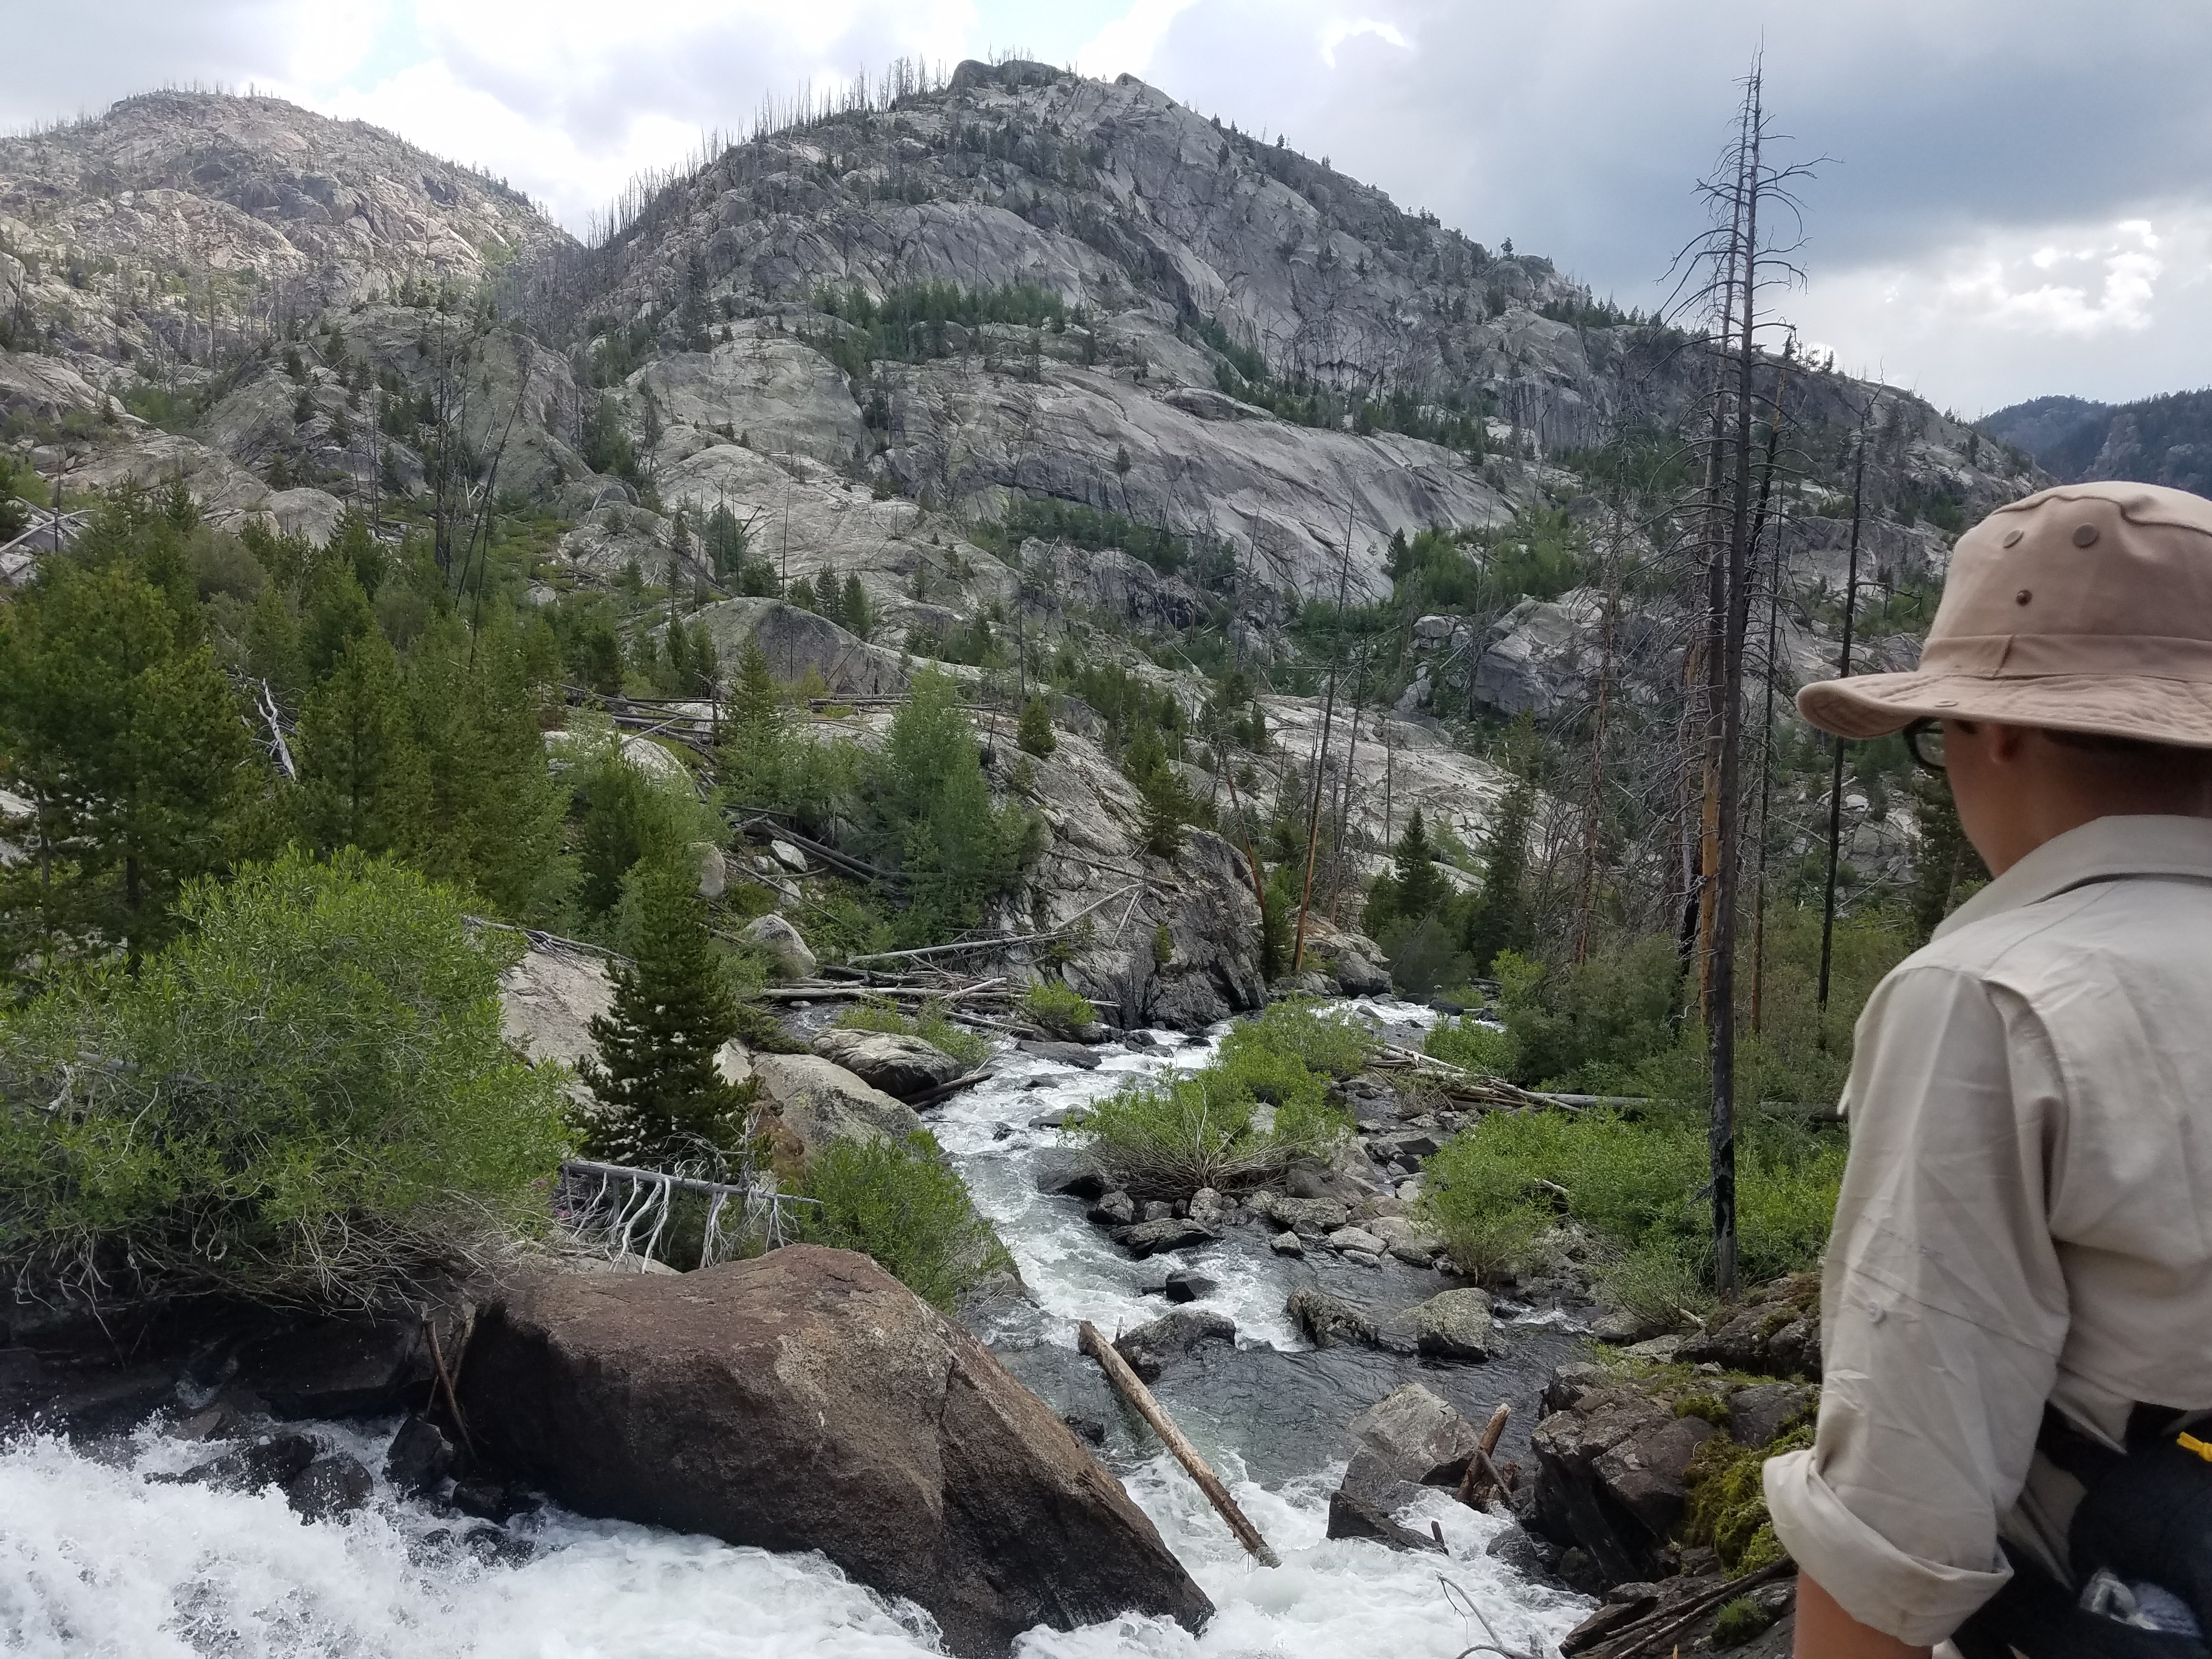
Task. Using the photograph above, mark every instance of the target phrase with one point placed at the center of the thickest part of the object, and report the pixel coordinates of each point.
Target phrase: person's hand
(1825, 1631)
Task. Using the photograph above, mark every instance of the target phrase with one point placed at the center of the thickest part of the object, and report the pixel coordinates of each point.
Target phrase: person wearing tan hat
(2025, 1216)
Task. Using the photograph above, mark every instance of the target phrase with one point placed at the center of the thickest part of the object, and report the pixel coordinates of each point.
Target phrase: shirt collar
(2099, 850)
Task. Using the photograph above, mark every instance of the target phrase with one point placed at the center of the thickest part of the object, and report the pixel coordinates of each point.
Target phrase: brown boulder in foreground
(808, 1400)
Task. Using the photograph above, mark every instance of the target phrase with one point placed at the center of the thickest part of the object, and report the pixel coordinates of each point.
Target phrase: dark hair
(2110, 742)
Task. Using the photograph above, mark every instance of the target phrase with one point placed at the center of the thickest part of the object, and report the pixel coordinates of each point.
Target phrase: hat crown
(2105, 561)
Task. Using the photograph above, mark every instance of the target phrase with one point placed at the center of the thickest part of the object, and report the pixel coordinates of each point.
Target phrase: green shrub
(931, 1025)
(1740, 1621)
(1035, 734)
(1059, 1008)
(304, 1099)
(1636, 1184)
(1470, 1043)
(900, 1202)
(1334, 1045)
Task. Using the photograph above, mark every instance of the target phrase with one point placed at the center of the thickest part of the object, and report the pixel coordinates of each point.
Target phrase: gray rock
(821, 1102)
(1153, 1237)
(1327, 1320)
(1757, 1415)
(1287, 1243)
(1405, 1241)
(1456, 1325)
(1645, 1474)
(1149, 1348)
(1065, 1054)
(896, 1063)
(1660, 1350)
(1417, 1437)
(1069, 1173)
(1353, 1517)
(1188, 1284)
(419, 1456)
(1518, 1550)
(1361, 1258)
(1207, 1208)
(784, 943)
(1308, 1218)
(1114, 1210)
(332, 1485)
(1624, 1326)
(788, 856)
(270, 1460)
(1356, 1238)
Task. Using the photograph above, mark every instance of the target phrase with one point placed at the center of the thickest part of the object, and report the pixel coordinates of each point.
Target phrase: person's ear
(2007, 743)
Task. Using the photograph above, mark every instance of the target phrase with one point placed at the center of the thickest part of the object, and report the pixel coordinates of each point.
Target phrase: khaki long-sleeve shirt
(2025, 1216)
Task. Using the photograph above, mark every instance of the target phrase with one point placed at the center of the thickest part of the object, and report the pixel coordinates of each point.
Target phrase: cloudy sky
(2019, 199)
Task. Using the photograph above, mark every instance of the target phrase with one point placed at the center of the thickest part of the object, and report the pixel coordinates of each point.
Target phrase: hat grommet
(2022, 597)
(2012, 538)
(2085, 536)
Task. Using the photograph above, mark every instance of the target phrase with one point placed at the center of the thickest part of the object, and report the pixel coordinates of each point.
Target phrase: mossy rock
(1742, 1620)
(1727, 1501)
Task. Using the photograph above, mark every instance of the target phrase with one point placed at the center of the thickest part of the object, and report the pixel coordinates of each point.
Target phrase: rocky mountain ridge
(2165, 440)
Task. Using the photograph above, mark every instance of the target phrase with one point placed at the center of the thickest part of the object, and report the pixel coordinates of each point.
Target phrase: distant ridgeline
(2163, 441)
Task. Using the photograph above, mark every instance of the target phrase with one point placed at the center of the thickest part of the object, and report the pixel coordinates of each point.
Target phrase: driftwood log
(1134, 1390)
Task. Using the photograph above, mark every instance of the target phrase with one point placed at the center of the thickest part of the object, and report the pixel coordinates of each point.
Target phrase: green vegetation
(302, 1099)
(1632, 1182)
(1060, 1009)
(1728, 1505)
(1035, 734)
(902, 1204)
(931, 1025)
(914, 322)
(1082, 525)
(661, 1102)
(1262, 1105)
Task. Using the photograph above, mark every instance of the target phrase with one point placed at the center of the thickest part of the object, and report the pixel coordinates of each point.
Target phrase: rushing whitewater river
(96, 1560)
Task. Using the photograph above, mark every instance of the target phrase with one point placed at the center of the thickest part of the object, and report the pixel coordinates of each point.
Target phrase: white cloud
(1338, 30)
(1125, 45)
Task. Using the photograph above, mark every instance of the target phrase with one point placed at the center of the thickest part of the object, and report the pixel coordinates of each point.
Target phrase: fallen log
(1134, 1390)
(946, 1091)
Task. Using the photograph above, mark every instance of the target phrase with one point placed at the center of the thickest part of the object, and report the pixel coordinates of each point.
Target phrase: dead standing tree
(1729, 272)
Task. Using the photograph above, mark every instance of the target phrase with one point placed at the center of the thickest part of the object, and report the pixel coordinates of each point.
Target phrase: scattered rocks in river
(332, 1485)
(1150, 1347)
(1189, 1285)
(806, 1400)
(1327, 1320)
(1112, 1210)
(1308, 1218)
(1208, 1208)
(1171, 1232)
(419, 1457)
(1065, 1054)
(897, 1063)
(1066, 1117)
(1069, 1173)
(1287, 1243)
(1456, 1325)
(1358, 1239)
(1418, 1437)
(1351, 1515)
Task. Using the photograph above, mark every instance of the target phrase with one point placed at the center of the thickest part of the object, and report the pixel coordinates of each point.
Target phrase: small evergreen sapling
(1035, 734)
(661, 1099)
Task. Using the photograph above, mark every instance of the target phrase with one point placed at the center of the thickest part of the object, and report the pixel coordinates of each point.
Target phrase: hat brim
(2149, 708)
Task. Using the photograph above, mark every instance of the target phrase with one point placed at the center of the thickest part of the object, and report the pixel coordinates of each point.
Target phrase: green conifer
(1035, 734)
(361, 780)
(859, 620)
(661, 1100)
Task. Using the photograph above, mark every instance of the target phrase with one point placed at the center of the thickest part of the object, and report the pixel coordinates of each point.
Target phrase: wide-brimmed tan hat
(2086, 608)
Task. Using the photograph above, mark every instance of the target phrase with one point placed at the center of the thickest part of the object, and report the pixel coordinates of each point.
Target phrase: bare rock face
(898, 1065)
(547, 1001)
(821, 1102)
(806, 1400)
(794, 641)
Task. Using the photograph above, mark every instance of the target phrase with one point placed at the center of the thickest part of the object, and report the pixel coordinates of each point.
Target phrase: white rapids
(96, 1560)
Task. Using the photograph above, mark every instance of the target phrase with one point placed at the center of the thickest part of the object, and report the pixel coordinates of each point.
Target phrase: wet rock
(1152, 1237)
(1287, 1244)
(1361, 1258)
(1065, 1117)
(807, 1400)
(1308, 1218)
(419, 1457)
(1188, 1284)
(1757, 1415)
(1088, 1429)
(1064, 1054)
(1327, 1320)
(1113, 1210)
(820, 1102)
(271, 1460)
(1405, 1241)
(1207, 1208)
(486, 1500)
(1070, 1174)
(1356, 1238)
(1420, 1437)
(1573, 1382)
(784, 943)
(331, 1485)
(493, 1546)
(1518, 1548)
(217, 1422)
(1610, 1476)
(1157, 1209)
(1456, 1325)
(896, 1063)
(336, 1367)
(1149, 1348)
(1353, 1517)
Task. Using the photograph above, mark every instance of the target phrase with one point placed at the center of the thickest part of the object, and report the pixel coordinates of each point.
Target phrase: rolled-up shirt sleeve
(1943, 1308)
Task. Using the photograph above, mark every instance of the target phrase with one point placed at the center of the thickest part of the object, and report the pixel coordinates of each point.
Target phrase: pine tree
(1035, 734)
(1500, 918)
(1416, 889)
(1167, 812)
(335, 615)
(117, 725)
(859, 620)
(362, 781)
(661, 1100)
(830, 597)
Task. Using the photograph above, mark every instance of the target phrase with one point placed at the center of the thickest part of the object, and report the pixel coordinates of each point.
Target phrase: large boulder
(807, 1400)
(1457, 1325)
(901, 1066)
(819, 1101)
(1150, 1347)
(785, 945)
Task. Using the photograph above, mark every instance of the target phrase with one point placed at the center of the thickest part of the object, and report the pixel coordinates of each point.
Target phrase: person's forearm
(1825, 1631)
